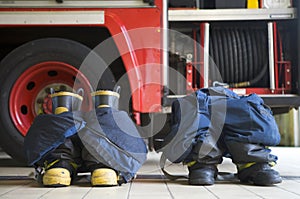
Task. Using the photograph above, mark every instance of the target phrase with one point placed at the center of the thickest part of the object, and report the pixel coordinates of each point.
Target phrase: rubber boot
(259, 174)
(253, 163)
(207, 154)
(202, 174)
(60, 171)
(106, 98)
(101, 174)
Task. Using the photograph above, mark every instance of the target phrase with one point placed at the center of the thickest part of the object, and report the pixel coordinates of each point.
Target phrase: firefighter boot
(104, 177)
(258, 173)
(66, 101)
(202, 174)
(253, 163)
(207, 154)
(57, 174)
(101, 175)
(106, 98)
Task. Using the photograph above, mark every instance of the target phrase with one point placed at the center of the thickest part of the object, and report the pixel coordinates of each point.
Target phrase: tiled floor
(16, 182)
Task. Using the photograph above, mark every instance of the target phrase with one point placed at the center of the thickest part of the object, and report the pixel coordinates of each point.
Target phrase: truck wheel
(27, 73)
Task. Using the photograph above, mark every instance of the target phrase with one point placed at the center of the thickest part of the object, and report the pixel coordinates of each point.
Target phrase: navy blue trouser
(241, 127)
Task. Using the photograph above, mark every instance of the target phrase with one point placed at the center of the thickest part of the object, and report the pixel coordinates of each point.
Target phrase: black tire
(21, 59)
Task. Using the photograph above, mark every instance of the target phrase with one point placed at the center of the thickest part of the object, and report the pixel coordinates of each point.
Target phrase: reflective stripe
(102, 106)
(244, 166)
(59, 110)
(189, 164)
(272, 164)
(64, 93)
(47, 166)
(105, 92)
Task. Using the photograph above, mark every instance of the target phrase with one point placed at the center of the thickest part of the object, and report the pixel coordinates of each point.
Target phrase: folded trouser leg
(205, 156)
(207, 152)
(246, 152)
(254, 163)
(60, 165)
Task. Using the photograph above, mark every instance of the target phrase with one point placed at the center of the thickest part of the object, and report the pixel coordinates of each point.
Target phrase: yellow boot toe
(57, 177)
(104, 177)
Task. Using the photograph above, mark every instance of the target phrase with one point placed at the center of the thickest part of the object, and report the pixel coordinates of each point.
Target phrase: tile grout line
(9, 191)
(41, 196)
(210, 191)
(86, 194)
(172, 196)
(129, 190)
(289, 190)
(243, 187)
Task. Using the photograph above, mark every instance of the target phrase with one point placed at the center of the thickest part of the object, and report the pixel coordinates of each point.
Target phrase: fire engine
(155, 50)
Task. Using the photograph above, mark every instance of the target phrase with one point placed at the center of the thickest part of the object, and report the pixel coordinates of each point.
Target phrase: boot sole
(205, 178)
(264, 178)
(267, 182)
(201, 182)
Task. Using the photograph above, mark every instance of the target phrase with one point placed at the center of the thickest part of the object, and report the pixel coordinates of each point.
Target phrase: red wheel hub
(29, 96)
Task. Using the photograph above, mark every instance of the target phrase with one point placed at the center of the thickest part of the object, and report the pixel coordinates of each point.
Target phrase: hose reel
(240, 55)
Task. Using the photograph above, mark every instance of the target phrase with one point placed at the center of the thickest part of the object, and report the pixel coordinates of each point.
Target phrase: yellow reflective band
(74, 165)
(189, 164)
(244, 166)
(64, 93)
(59, 110)
(105, 92)
(103, 106)
(51, 164)
(272, 164)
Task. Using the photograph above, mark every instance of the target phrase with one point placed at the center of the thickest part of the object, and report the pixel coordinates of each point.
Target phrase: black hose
(244, 66)
(254, 52)
(225, 52)
(230, 54)
(249, 53)
(240, 54)
(240, 58)
(220, 49)
(214, 72)
(235, 55)
(261, 71)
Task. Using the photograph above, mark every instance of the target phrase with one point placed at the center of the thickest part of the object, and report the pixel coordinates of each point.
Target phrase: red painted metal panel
(139, 43)
(137, 34)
